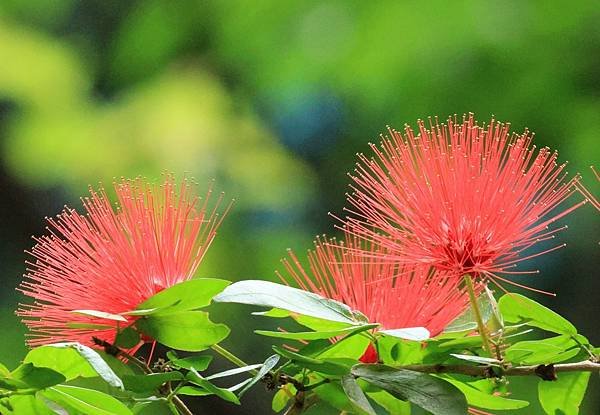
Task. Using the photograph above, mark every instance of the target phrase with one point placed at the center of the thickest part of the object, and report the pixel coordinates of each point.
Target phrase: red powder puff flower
(111, 260)
(460, 198)
(386, 292)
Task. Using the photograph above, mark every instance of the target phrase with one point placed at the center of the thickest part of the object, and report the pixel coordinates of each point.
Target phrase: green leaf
(35, 377)
(551, 350)
(235, 371)
(187, 295)
(476, 359)
(484, 400)
(199, 363)
(333, 395)
(516, 308)
(28, 405)
(157, 407)
(101, 314)
(409, 333)
(282, 397)
(466, 321)
(60, 357)
(313, 323)
(356, 396)
(270, 294)
(564, 395)
(316, 335)
(195, 377)
(193, 391)
(388, 401)
(190, 331)
(334, 367)
(87, 401)
(430, 393)
(269, 364)
(150, 382)
(127, 338)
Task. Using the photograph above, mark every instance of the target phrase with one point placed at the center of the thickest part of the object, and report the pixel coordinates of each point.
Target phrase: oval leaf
(565, 394)
(270, 294)
(356, 396)
(484, 400)
(516, 308)
(409, 333)
(190, 331)
(430, 393)
(87, 401)
(187, 295)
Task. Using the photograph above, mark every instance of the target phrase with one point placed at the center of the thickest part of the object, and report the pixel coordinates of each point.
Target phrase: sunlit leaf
(186, 330)
(564, 395)
(408, 333)
(187, 295)
(60, 357)
(199, 363)
(194, 377)
(34, 377)
(269, 294)
(484, 400)
(87, 401)
(516, 308)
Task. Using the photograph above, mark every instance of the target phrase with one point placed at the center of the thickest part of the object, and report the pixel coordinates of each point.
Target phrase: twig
(546, 372)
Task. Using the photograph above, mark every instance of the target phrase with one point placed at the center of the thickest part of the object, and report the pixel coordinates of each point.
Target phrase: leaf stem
(542, 371)
(475, 307)
(231, 357)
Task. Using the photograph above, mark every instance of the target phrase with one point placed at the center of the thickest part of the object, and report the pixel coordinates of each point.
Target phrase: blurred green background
(273, 99)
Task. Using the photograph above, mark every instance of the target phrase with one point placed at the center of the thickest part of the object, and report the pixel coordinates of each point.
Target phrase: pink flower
(386, 292)
(460, 198)
(112, 259)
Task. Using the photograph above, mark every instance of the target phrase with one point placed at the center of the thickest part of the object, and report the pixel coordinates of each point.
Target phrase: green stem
(231, 357)
(475, 307)
(180, 406)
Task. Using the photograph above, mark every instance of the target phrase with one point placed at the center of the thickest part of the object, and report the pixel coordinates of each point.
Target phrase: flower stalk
(477, 312)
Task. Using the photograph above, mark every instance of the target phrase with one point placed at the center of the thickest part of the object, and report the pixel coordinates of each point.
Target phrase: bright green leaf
(59, 356)
(564, 395)
(481, 399)
(35, 377)
(199, 363)
(194, 377)
(28, 405)
(429, 392)
(187, 295)
(552, 350)
(186, 330)
(87, 401)
(516, 308)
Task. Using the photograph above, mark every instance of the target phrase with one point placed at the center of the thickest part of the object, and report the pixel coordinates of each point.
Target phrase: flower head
(460, 198)
(113, 259)
(394, 295)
